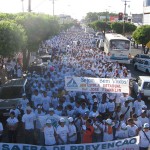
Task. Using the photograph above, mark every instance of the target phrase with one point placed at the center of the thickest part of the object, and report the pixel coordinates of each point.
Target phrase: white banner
(108, 85)
(126, 144)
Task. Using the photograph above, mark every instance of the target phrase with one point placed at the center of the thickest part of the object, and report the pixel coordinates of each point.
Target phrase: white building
(146, 12)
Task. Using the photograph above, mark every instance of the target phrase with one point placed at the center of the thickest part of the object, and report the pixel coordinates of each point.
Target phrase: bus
(118, 47)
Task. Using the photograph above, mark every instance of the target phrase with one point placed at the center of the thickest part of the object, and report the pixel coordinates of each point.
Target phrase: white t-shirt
(29, 119)
(121, 134)
(111, 106)
(46, 102)
(132, 130)
(62, 132)
(37, 99)
(143, 140)
(137, 105)
(49, 135)
(143, 120)
(72, 130)
(23, 103)
(12, 121)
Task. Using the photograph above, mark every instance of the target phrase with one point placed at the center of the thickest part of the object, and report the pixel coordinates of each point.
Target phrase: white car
(142, 65)
(142, 85)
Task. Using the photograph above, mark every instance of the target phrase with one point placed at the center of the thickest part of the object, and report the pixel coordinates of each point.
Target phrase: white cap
(48, 121)
(144, 106)
(24, 94)
(109, 121)
(70, 119)
(28, 108)
(51, 109)
(82, 96)
(123, 126)
(39, 106)
(146, 125)
(62, 120)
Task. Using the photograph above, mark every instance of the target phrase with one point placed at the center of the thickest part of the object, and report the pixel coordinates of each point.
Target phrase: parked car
(138, 56)
(10, 93)
(142, 85)
(142, 65)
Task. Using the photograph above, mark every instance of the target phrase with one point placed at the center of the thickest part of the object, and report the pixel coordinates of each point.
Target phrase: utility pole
(53, 8)
(22, 6)
(124, 16)
(29, 5)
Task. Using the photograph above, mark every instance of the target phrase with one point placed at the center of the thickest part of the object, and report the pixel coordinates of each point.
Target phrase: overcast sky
(75, 8)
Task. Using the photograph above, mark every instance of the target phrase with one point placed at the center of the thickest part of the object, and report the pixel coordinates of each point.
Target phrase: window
(146, 63)
(146, 85)
(119, 45)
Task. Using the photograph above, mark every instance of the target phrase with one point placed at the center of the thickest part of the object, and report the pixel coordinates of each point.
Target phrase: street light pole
(29, 5)
(124, 16)
(53, 7)
(22, 6)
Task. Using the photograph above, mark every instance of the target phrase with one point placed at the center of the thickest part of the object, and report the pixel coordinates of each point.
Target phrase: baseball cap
(24, 94)
(48, 121)
(62, 120)
(109, 121)
(51, 109)
(70, 119)
(146, 125)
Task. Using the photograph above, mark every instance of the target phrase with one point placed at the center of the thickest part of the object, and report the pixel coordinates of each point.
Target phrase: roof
(15, 82)
(145, 78)
(116, 36)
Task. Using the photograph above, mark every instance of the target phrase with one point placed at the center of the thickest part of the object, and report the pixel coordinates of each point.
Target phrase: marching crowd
(58, 116)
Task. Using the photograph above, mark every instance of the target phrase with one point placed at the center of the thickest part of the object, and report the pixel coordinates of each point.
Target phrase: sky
(75, 8)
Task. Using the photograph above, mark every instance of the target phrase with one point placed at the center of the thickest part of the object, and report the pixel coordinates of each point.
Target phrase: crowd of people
(77, 117)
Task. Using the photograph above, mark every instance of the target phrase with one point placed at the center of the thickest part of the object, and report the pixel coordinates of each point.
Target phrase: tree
(100, 25)
(142, 36)
(12, 38)
(118, 27)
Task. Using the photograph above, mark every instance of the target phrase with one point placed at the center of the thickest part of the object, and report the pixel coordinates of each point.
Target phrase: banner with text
(126, 144)
(86, 84)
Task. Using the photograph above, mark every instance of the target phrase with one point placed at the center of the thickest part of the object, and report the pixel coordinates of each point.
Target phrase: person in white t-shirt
(62, 132)
(145, 137)
(72, 131)
(143, 118)
(132, 128)
(1, 131)
(23, 102)
(138, 105)
(12, 124)
(28, 120)
(122, 133)
(49, 133)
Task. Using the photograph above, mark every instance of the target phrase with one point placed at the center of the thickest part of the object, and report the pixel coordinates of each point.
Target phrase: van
(142, 85)
(10, 94)
(142, 65)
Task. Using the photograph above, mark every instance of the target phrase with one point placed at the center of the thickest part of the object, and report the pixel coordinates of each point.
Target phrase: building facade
(146, 12)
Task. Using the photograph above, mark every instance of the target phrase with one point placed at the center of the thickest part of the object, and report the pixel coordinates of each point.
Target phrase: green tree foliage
(12, 38)
(100, 25)
(142, 34)
(38, 27)
(118, 27)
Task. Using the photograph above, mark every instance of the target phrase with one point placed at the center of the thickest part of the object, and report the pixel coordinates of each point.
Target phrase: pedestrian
(72, 131)
(28, 120)
(122, 133)
(145, 137)
(12, 124)
(62, 132)
(108, 130)
(88, 131)
(49, 134)
(132, 128)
